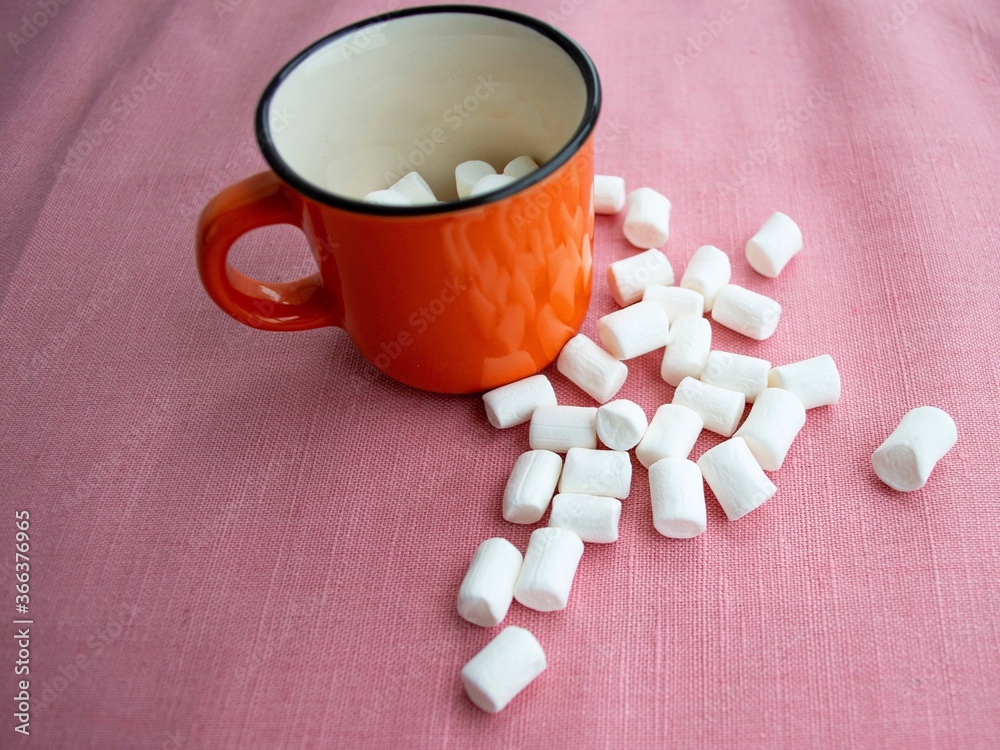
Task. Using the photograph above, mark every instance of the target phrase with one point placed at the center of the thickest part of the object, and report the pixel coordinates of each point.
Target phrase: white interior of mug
(424, 93)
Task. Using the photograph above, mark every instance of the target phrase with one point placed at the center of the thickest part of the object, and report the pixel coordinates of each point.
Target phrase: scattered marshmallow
(514, 403)
(630, 277)
(678, 496)
(488, 587)
(815, 381)
(687, 350)
(707, 272)
(672, 434)
(415, 188)
(647, 219)
(387, 198)
(468, 173)
(559, 428)
(737, 372)
(634, 330)
(775, 243)
(520, 167)
(596, 472)
(908, 456)
(505, 667)
(609, 194)
(531, 484)
(593, 518)
(737, 480)
(676, 301)
(746, 312)
(621, 424)
(549, 567)
(773, 423)
(595, 371)
(720, 409)
(491, 183)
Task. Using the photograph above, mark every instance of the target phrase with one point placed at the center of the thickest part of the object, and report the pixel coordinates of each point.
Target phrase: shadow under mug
(458, 296)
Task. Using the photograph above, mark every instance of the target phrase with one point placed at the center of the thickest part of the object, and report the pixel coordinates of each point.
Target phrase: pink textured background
(254, 540)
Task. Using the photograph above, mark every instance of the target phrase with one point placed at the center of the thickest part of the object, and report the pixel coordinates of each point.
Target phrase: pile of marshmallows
(712, 388)
(472, 179)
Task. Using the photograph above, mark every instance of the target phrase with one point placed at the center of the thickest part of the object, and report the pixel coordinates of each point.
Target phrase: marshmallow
(468, 173)
(514, 403)
(520, 167)
(506, 666)
(387, 198)
(707, 272)
(746, 312)
(595, 472)
(549, 567)
(769, 251)
(907, 457)
(592, 518)
(491, 183)
(595, 371)
(815, 381)
(634, 330)
(415, 188)
(678, 495)
(734, 475)
(719, 408)
(687, 349)
(774, 421)
(672, 434)
(630, 277)
(676, 301)
(736, 372)
(559, 428)
(530, 486)
(488, 587)
(647, 220)
(621, 424)
(609, 194)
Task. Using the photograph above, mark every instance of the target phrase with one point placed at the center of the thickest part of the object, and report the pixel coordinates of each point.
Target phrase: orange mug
(457, 296)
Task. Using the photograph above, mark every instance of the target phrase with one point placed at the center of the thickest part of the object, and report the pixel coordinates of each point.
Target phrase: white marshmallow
(678, 495)
(676, 301)
(720, 409)
(549, 568)
(707, 272)
(490, 183)
(595, 371)
(746, 312)
(629, 278)
(621, 424)
(770, 428)
(530, 487)
(769, 251)
(687, 349)
(647, 219)
(609, 194)
(415, 188)
(737, 372)
(514, 403)
(506, 666)
(559, 428)
(596, 472)
(468, 173)
(907, 457)
(815, 381)
(387, 198)
(488, 587)
(593, 518)
(734, 475)
(634, 330)
(520, 167)
(672, 434)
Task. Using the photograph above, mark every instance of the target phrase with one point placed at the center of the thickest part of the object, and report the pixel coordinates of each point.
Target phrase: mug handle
(258, 201)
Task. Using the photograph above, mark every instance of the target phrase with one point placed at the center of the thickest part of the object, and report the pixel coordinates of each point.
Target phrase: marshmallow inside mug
(423, 92)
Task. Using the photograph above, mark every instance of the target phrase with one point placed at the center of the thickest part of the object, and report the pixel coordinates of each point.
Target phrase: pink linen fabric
(252, 540)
